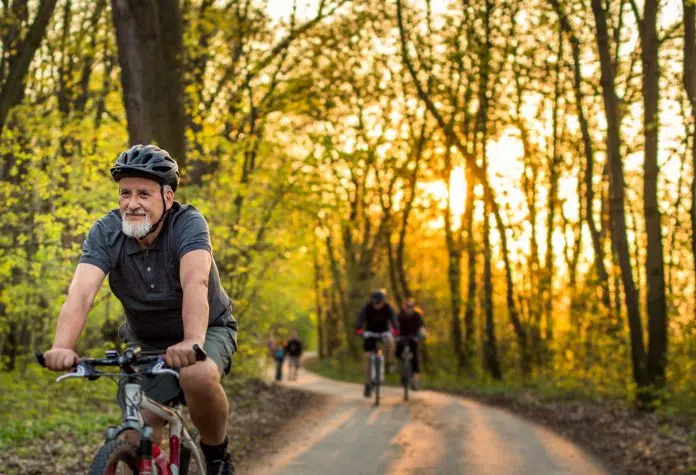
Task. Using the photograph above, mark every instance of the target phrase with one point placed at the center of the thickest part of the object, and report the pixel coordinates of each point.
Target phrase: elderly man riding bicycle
(158, 257)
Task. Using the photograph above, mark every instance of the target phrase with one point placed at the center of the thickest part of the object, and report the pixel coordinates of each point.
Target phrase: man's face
(140, 204)
(377, 304)
(410, 306)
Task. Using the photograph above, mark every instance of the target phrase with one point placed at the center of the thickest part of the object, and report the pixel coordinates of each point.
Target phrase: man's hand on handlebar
(395, 332)
(359, 331)
(60, 359)
(182, 354)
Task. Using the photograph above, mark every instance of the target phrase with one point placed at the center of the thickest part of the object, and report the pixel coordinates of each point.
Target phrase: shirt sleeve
(95, 250)
(360, 320)
(192, 232)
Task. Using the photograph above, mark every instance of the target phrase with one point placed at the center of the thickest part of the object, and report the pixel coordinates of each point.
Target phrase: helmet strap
(164, 214)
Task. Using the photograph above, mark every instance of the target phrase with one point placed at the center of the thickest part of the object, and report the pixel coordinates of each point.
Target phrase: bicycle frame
(377, 361)
(135, 402)
(406, 363)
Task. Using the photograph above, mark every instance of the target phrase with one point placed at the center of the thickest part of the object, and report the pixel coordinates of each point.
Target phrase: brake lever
(159, 368)
(79, 372)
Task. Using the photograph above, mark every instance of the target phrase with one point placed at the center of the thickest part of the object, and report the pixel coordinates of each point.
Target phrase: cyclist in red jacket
(411, 323)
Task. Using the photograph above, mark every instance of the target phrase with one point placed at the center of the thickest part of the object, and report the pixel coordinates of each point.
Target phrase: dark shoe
(415, 386)
(221, 466)
(368, 390)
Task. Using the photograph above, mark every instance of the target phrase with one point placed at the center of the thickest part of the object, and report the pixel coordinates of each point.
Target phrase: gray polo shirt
(147, 281)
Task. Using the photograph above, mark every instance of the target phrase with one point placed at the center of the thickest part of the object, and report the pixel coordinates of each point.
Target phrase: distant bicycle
(118, 455)
(376, 361)
(406, 363)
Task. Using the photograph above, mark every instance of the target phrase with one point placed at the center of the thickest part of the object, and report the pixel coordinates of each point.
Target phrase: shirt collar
(132, 246)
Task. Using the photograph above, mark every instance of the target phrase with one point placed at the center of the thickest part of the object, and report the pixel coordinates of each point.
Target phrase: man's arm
(360, 320)
(71, 319)
(194, 271)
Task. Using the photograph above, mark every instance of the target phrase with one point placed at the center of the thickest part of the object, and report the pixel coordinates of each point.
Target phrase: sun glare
(437, 191)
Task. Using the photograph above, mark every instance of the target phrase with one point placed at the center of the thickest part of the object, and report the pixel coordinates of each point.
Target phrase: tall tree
(601, 270)
(150, 51)
(617, 189)
(654, 262)
(689, 80)
(17, 51)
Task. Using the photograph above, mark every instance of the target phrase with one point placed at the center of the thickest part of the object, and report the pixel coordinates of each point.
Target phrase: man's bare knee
(200, 377)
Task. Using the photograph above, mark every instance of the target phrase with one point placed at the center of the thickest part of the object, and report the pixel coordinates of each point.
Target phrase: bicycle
(406, 363)
(376, 361)
(118, 456)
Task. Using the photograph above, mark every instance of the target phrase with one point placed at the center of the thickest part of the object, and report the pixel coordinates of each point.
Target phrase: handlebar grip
(201, 355)
(40, 358)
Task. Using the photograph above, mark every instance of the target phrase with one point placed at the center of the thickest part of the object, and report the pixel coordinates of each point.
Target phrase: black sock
(214, 452)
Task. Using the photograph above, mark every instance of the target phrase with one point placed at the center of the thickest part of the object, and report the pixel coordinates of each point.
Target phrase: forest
(525, 170)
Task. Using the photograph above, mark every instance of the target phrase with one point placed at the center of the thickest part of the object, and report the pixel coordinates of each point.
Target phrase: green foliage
(33, 405)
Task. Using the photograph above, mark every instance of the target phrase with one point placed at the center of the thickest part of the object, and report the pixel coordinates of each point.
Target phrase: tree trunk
(150, 52)
(689, 80)
(547, 281)
(13, 86)
(321, 343)
(470, 312)
(490, 344)
(454, 268)
(654, 264)
(618, 217)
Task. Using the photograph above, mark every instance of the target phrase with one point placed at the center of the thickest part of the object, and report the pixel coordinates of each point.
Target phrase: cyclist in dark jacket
(411, 323)
(376, 316)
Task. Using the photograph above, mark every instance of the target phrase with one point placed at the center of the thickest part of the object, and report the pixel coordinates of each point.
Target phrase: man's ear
(169, 198)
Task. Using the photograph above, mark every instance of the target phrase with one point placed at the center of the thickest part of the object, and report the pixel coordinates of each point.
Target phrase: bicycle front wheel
(116, 457)
(378, 382)
(189, 457)
(406, 377)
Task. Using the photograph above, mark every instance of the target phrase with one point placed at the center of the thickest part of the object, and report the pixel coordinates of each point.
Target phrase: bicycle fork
(377, 367)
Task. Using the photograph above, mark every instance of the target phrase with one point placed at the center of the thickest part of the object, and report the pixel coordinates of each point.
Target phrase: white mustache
(135, 214)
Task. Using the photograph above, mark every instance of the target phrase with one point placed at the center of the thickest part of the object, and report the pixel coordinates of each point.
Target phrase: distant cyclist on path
(379, 317)
(411, 324)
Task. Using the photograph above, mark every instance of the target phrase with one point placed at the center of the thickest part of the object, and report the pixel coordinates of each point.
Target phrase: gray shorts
(220, 345)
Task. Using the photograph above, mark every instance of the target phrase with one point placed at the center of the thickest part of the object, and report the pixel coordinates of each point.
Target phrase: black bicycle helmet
(378, 296)
(147, 161)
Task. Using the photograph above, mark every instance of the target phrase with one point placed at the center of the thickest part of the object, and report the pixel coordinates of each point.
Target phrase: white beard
(136, 230)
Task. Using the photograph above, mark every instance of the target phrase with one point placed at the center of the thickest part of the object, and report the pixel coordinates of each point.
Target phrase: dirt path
(431, 434)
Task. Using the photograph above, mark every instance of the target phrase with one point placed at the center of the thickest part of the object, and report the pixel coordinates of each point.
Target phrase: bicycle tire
(188, 462)
(377, 379)
(406, 377)
(106, 462)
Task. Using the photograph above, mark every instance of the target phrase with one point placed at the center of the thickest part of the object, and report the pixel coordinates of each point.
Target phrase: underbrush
(33, 405)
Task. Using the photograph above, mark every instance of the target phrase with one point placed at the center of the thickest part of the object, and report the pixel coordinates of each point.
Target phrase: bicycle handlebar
(131, 356)
(369, 334)
(409, 337)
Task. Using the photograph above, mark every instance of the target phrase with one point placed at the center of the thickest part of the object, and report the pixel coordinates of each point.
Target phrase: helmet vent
(161, 169)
